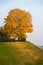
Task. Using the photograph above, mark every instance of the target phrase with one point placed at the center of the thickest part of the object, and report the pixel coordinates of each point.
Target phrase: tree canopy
(18, 23)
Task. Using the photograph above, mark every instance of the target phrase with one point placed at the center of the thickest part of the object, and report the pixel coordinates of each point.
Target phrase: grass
(20, 53)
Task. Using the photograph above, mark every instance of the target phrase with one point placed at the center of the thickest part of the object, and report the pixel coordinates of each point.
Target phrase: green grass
(20, 53)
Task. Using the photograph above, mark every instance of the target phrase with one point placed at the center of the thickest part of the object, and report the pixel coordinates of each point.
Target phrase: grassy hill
(20, 53)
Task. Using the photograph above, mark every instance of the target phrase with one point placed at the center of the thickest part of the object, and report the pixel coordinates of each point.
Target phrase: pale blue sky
(35, 7)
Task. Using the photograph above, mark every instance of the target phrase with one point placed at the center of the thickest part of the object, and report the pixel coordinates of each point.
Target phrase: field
(20, 53)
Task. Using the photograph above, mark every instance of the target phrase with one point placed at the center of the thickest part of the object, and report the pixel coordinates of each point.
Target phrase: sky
(35, 7)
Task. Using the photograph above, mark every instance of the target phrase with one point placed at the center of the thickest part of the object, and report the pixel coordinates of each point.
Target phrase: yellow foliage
(18, 22)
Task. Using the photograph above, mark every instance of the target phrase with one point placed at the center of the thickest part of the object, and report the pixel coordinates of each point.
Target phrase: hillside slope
(20, 53)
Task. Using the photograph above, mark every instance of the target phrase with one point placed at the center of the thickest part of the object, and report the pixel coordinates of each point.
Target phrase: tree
(3, 36)
(18, 23)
